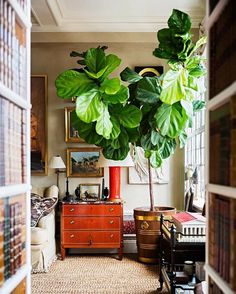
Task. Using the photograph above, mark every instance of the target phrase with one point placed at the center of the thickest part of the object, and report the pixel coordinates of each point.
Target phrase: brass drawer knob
(111, 209)
(72, 235)
(72, 222)
(72, 209)
(111, 236)
(111, 222)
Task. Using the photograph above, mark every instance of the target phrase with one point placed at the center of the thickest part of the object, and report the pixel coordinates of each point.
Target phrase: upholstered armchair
(43, 244)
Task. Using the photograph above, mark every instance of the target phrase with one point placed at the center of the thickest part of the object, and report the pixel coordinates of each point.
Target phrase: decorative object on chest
(92, 225)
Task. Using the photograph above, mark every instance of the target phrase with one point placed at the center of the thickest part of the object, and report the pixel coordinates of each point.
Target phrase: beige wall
(53, 58)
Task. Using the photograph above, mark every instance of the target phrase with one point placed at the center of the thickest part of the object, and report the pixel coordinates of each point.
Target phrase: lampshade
(103, 162)
(56, 162)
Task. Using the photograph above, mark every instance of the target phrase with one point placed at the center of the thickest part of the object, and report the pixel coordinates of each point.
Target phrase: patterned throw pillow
(40, 207)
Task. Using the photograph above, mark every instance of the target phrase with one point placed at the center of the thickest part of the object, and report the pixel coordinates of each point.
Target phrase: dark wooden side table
(92, 225)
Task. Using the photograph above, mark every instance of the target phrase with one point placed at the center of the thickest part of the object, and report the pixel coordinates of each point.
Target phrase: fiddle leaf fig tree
(168, 102)
(104, 116)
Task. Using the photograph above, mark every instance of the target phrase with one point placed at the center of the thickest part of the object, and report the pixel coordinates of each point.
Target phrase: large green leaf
(111, 87)
(179, 22)
(95, 59)
(72, 83)
(129, 75)
(116, 154)
(198, 105)
(89, 106)
(149, 90)
(188, 108)
(198, 71)
(120, 97)
(161, 53)
(146, 142)
(156, 138)
(95, 75)
(130, 116)
(168, 147)
(199, 43)
(88, 132)
(115, 129)
(182, 139)
(169, 42)
(104, 124)
(155, 159)
(133, 134)
(112, 62)
(169, 120)
(173, 89)
(192, 62)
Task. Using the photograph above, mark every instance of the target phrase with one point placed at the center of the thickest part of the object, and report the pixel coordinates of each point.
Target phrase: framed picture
(82, 162)
(89, 192)
(71, 133)
(39, 156)
(149, 71)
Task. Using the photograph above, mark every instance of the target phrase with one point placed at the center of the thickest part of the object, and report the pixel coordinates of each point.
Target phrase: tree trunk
(150, 186)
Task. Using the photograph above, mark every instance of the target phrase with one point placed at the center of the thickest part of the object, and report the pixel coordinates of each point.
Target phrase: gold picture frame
(39, 123)
(71, 135)
(81, 162)
(89, 192)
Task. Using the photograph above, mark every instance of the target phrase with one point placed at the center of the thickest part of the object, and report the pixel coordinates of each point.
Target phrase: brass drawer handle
(111, 222)
(111, 236)
(144, 225)
(72, 209)
(72, 235)
(72, 222)
(111, 209)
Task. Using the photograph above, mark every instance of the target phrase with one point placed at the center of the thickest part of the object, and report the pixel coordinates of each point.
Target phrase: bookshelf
(221, 154)
(15, 185)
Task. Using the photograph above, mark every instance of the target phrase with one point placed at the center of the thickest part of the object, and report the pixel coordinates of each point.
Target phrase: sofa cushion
(38, 236)
(40, 207)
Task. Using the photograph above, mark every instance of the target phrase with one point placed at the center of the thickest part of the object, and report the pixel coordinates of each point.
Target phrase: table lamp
(114, 174)
(57, 163)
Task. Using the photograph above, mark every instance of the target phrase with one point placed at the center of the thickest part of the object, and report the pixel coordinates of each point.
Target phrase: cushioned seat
(38, 236)
(43, 244)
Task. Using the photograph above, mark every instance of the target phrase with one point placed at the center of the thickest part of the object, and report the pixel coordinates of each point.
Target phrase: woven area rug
(97, 274)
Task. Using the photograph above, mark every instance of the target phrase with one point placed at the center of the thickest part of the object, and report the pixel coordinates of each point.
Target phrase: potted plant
(168, 104)
(152, 112)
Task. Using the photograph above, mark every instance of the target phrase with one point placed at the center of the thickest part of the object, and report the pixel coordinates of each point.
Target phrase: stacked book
(12, 143)
(12, 236)
(12, 50)
(192, 226)
(222, 251)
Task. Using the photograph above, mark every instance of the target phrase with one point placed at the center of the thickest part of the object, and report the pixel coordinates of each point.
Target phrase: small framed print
(82, 162)
(89, 192)
(71, 133)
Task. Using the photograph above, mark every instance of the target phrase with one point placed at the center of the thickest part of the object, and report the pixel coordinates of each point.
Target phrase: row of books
(12, 236)
(12, 143)
(222, 50)
(12, 50)
(222, 250)
(222, 147)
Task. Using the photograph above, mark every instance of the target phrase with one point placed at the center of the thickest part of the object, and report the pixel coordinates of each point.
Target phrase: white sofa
(43, 244)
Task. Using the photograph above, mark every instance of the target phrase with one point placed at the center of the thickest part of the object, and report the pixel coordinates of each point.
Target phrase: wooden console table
(92, 225)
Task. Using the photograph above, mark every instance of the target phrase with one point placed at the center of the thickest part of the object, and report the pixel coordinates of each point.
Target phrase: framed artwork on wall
(82, 162)
(71, 132)
(149, 71)
(39, 156)
(89, 192)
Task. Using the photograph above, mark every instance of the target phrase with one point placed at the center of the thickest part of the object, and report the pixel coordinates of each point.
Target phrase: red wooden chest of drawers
(92, 225)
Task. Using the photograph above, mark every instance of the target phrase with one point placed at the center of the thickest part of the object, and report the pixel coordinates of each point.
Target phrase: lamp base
(68, 198)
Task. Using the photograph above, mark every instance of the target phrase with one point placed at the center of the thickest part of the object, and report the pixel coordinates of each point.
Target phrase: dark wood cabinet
(92, 225)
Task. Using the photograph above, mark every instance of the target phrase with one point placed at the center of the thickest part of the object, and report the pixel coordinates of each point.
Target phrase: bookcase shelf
(15, 263)
(13, 97)
(218, 280)
(11, 283)
(12, 190)
(221, 153)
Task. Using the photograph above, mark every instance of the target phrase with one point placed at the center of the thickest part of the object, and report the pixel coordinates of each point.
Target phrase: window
(194, 157)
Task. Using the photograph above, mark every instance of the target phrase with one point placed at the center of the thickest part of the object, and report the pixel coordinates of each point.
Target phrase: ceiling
(109, 15)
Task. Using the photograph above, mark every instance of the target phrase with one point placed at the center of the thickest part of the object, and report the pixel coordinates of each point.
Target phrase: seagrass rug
(90, 274)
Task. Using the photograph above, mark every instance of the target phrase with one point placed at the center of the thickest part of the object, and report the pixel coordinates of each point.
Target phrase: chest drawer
(96, 210)
(91, 238)
(91, 223)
